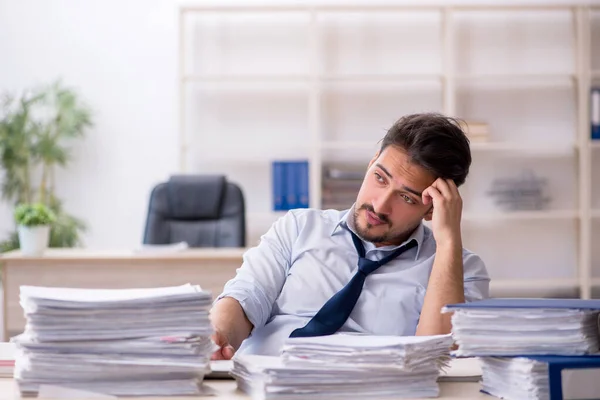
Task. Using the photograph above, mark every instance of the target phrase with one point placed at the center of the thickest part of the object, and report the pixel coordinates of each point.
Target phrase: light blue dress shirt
(308, 255)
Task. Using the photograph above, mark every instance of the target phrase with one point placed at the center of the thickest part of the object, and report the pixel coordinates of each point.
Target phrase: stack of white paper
(118, 342)
(530, 378)
(513, 332)
(348, 366)
(7, 360)
(527, 378)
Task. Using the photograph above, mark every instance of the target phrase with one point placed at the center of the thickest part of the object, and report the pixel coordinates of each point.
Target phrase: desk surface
(226, 390)
(77, 254)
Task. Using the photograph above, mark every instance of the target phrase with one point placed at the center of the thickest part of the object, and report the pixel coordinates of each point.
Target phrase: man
(307, 276)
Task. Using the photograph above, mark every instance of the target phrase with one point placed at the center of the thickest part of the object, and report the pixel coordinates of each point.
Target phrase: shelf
(530, 149)
(544, 215)
(534, 284)
(483, 147)
(383, 78)
(349, 145)
(532, 79)
(345, 104)
(354, 8)
(210, 78)
(510, 81)
(516, 76)
(280, 78)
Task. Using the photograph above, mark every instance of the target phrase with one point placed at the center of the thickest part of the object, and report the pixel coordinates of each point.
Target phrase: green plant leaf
(37, 130)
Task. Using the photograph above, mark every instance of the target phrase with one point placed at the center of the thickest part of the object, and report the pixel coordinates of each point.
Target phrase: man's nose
(383, 203)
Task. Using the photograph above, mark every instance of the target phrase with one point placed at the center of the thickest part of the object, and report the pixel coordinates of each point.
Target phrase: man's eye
(407, 199)
(378, 177)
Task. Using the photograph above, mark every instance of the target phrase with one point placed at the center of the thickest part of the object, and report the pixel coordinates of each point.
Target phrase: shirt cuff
(253, 301)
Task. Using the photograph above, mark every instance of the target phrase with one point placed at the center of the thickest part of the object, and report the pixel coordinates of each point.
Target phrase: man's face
(389, 204)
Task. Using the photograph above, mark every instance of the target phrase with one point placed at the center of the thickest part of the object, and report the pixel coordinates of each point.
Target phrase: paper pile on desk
(118, 342)
(514, 327)
(7, 360)
(530, 378)
(348, 366)
(530, 348)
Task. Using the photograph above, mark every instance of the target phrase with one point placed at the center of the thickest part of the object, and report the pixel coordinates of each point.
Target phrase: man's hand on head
(447, 211)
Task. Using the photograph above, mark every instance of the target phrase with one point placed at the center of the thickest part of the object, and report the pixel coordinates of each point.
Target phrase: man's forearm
(446, 286)
(228, 318)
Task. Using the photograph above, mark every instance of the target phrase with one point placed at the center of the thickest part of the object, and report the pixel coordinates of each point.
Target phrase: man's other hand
(225, 350)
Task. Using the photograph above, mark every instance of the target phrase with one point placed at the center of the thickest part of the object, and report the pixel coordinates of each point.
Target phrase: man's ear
(429, 214)
(373, 159)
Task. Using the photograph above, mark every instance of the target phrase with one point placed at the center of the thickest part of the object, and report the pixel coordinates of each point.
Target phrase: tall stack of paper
(536, 349)
(7, 360)
(346, 366)
(529, 377)
(118, 342)
(513, 327)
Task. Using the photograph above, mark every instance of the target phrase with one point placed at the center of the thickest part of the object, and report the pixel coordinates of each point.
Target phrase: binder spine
(277, 168)
(595, 113)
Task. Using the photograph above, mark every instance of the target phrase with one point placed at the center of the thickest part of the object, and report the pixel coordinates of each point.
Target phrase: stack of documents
(7, 360)
(536, 349)
(529, 378)
(347, 366)
(132, 342)
(514, 327)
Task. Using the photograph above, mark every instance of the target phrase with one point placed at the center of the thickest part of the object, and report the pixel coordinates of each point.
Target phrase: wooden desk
(82, 268)
(226, 390)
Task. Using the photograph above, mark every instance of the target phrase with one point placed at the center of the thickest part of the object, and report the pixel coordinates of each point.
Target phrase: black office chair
(201, 210)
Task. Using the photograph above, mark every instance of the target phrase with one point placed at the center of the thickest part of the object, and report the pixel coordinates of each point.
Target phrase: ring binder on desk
(552, 377)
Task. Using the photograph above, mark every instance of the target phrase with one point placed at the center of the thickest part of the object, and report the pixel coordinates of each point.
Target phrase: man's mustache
(370, 208)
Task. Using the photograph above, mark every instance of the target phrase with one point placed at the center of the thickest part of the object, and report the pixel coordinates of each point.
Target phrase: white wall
(122, 56)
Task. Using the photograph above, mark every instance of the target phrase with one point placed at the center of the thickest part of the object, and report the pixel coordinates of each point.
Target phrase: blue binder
(578, 304)
(302, 180)
(278, 173)
(595, 112)
(290, 181)
(556, 365)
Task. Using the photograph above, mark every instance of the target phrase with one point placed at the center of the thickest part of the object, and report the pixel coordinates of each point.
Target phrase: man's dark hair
(433, 141)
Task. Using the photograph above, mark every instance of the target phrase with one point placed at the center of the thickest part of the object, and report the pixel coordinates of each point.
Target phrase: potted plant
(37, 133)
(33, 225)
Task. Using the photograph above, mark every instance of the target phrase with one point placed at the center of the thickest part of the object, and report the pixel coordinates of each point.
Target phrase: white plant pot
(33, 240)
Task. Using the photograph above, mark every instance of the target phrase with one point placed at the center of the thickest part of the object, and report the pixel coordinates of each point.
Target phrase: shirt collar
(346, 222)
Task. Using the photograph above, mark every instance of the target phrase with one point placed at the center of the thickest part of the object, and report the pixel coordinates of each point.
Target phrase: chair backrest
(202, 210)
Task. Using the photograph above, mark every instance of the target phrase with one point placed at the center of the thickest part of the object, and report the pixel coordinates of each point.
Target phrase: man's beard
(389, 236)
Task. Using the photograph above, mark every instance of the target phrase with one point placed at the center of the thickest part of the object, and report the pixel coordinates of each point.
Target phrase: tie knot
(367, 266)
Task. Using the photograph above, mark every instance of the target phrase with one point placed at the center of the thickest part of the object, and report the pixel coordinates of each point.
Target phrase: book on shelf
(340, 185)
(290, 185)
(595, 113)
(476, 131)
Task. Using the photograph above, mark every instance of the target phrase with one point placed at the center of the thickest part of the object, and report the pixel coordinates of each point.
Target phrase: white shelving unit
(324, 83)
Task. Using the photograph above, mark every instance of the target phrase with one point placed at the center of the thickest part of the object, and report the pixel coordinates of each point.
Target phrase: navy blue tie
(332, 316)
